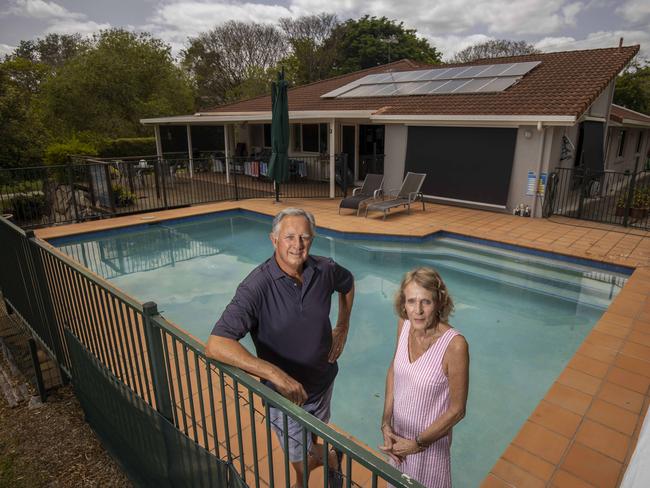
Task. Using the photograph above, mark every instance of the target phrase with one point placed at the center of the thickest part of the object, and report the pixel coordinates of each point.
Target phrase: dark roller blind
(464, 163)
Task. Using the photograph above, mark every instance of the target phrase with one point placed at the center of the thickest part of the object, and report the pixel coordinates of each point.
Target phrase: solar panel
(457, 79)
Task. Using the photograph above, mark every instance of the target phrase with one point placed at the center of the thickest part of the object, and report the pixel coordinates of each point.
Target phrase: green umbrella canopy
(279, 164)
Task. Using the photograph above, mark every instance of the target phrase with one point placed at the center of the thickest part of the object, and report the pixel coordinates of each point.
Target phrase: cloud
(636, 12)
(40, 9)
(597, 40)
(83, 27)
(6, 49)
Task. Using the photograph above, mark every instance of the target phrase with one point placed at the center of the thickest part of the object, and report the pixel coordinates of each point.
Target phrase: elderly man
(284, 304)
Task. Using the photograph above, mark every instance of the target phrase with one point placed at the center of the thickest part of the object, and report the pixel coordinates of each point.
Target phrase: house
(486, 133)
(628, 140)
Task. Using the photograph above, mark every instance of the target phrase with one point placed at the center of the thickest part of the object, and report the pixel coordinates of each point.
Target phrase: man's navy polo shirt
(289, 323)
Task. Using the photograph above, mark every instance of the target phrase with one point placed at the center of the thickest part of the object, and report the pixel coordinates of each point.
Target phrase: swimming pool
(523, 314)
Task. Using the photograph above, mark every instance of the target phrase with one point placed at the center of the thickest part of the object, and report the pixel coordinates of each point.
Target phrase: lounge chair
(407, 194)
(370, 190)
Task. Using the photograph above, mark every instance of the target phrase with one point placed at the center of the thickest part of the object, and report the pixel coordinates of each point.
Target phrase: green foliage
(494, 49)
(128, 146)
(229, 55)
(122, 196)
(640, 199)
(54, 50)
(109, 87)
(59, 153)
(27, 206)
(633, 88)
(370, 41)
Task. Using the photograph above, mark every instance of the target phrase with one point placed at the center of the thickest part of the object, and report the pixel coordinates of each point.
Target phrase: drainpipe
(332, 148)
(190, 156)
(542, 139)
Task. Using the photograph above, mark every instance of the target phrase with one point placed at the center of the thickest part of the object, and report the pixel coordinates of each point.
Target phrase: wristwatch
(421, 445)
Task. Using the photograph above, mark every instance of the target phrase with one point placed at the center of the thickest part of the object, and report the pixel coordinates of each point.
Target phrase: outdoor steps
(528, 272)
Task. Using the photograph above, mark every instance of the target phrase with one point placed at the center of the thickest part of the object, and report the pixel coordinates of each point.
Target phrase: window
(267, 135)
(312, 137)
(621, 143)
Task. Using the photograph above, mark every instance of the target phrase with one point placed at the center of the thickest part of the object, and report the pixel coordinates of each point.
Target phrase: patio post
(332, 150)
(159, 152)
(226, 145)
(190, 156)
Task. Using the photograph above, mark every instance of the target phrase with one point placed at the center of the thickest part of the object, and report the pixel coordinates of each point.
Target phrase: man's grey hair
(294, 212)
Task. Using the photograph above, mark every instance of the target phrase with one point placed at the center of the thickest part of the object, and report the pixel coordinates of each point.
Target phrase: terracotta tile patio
(583, 432)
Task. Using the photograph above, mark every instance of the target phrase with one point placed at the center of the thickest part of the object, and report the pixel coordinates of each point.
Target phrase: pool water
(523, 315)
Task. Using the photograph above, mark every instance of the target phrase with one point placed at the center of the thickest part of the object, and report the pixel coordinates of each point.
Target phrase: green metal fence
(220, 409)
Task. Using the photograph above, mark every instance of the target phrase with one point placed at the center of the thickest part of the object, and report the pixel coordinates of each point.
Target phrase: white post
(332, 150)
(189, 150)
(226, 145)
(156, 129)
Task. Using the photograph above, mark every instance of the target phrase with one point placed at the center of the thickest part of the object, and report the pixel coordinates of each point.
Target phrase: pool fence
(170, 415)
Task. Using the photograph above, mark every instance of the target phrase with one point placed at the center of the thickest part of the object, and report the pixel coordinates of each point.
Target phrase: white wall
(630, 155)
(396, 138)
(527, 158)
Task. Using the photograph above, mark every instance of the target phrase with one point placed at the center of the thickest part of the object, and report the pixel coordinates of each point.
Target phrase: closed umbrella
(279, 164)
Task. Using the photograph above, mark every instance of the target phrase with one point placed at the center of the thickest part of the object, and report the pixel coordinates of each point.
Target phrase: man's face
(292, 242)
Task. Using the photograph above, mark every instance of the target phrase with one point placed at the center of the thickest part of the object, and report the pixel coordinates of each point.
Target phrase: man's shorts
(319, 407)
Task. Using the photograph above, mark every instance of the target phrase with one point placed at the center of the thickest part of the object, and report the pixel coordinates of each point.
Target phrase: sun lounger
(371, 190)
(407, 194)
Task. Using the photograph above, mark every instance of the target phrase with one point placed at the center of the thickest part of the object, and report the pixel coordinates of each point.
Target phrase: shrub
(58, 154)
(640, 199)
(27, 207)
(122, 197)
(134, 146)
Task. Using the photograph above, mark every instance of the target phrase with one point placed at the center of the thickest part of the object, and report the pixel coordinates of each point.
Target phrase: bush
(134, 146)
(122, 197)
(59, 153)
(27, 207)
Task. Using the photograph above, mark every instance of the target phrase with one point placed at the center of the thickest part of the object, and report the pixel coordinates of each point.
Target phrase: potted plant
(640, 205)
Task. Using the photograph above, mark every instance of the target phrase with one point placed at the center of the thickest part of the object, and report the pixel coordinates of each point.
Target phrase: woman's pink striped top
(421, 394)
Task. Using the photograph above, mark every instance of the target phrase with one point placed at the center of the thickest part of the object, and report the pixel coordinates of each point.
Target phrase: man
(284, 304)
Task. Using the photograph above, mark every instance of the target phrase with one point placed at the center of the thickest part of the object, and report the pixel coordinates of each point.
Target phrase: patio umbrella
(279, 164)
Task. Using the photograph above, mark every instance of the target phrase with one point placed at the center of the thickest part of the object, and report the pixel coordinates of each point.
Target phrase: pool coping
(585, 428)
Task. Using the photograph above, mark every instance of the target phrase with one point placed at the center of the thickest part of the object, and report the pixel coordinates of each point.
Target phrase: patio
(584, 431)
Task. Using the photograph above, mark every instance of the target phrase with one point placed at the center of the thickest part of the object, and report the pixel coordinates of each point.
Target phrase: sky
(449, 25)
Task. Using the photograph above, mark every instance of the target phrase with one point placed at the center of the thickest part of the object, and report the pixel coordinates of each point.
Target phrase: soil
(47, 444)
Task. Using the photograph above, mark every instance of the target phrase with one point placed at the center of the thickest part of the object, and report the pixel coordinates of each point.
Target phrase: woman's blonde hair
(430, 280)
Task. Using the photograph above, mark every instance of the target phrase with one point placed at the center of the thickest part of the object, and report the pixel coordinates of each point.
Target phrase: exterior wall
(572, 134)
(628, 160)
(527, 158)
(395, 155)
(602, 104)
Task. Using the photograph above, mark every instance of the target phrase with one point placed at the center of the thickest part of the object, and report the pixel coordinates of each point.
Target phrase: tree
(107, 88)
(54, 50)
(371, 41)
(311, 57)
(494, 49)
(633, 87)
(229, 55)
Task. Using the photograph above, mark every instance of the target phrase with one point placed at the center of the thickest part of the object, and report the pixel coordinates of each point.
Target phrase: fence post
(583, 189)
(156, 357)
(71, 185)
(629, 200)
(164, 168)
(234, 175)
(45, 308)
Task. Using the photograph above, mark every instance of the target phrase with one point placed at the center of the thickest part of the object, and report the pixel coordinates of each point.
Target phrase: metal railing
(220, 408)
(603, 196)
(88, 188)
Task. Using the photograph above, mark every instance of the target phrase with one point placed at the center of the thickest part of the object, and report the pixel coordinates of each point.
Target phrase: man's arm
(340, 332)
(230, 351)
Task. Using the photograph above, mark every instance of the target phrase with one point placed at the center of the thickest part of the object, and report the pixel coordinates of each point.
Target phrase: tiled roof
(565, 83)
(618, 114)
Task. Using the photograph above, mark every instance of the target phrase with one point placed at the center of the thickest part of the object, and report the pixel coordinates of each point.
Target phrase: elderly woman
(427, 381)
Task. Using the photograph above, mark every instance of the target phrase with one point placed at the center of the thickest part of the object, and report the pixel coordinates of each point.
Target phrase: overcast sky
(449, 25)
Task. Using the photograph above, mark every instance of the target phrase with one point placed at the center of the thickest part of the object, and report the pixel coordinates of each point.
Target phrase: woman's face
(420, 306)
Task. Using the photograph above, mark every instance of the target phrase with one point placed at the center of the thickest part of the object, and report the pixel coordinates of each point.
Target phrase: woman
(426, 384)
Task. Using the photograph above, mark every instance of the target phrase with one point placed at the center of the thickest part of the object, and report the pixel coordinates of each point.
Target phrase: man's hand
(289, 388)
(339, 336)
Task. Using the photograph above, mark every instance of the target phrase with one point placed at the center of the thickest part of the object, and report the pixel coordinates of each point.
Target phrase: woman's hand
(388, 434)
(402, 447)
